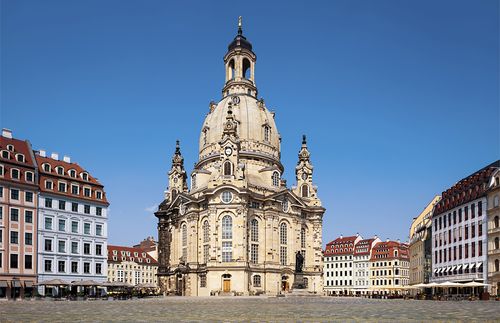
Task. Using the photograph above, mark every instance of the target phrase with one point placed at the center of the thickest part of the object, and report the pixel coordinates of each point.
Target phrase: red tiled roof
(54, 177)
(340, 246)
(20, 147)
(467, 189)
(362, 245)
(385, 250)
(132, 254)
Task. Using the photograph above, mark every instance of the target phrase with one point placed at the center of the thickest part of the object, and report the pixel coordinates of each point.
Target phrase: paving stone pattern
(250, 309)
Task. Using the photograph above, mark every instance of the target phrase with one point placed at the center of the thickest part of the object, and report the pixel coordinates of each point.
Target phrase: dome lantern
(239, 63)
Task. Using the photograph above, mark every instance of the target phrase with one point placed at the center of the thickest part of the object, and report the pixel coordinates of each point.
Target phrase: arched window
(495, 201)
(228, 168)
(276, 179)
(497, 265)
(497, 224)
(206, 241)
(283, 244)
(497, 243)
(395, 253)
(246, 68)
(231, 70)
(305, 190)
(46, 168)
(184, 241)
(174, 194)
(206, 231)
(227, 236)
(20, 158)
(267, 133)
(254, 231)
(193, 181)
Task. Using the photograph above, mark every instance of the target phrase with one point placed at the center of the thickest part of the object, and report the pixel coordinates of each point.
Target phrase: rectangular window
(86, 248)
(48, 265)
(460, 252)
(28, 197)
(74, 247)
(206, 253)
(227, 251)
(459, 215)
(61, 266)
(1, 237)
(454, 217)
(14, 194)
(74, 267)
(74, 189)
(473, 230)
(86, 267)
(74, 207)
(28, 238)
(479, 208)
(86, 228)
(14, 237)
(283, 255)
(48, 185)
(466, 232)
(28, 261)
(48, 245)
(466, 213)
(14, 261)
(48, 202)
(466, 251)
(479, 248)
(28, 216)
(254, 253)
(479, 228)
(1, 212)
(98, 230)
(62, 187)
(473, 249)
(98, 211)
(48, 223)
(98, 250)
(86, 192)
(473, 211)
(61, 246)
(14, 215)
(86, 209)
(62, 225)
(74, 226)
(98, 269)
(98, 195)
(62, 205)
(29, 176)
(203, 280)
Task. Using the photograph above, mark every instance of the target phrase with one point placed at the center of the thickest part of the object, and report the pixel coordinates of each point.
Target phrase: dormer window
(136, 254)
(62, 187)
(49, 185)
(128, 253)
(148, 261)
(98, 195)
(20, 158)
(144, 255)
(86, 192)
(75, 189)
(115, 252)
(2, 170)
(10, 147)
(29, 176)
(46, 168)
(72, 173)
(85, 176)
(60, 170)
(5, 154)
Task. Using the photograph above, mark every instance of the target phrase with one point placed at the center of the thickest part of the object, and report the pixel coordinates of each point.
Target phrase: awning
(448, 269)
(3, 283)
(435, 271)
(466, 266)
(440, 270)
(453, 268)
(472, 266)
(459, 266)
(28, 284)
(479, 264)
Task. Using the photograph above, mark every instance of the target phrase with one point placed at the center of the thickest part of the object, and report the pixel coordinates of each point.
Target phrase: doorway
(285, 286)
(226, 283)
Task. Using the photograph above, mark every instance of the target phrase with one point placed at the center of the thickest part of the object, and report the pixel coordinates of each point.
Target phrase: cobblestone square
(255, 309)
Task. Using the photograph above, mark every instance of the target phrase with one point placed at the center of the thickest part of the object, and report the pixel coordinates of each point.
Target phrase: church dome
(256, 128)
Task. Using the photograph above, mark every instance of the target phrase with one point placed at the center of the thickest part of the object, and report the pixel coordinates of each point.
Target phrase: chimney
(341, 236)
(387, 240)
(42, 153)
(375, 237)
(54, 156)
(7, 133)
(399, 241)
(66, 159)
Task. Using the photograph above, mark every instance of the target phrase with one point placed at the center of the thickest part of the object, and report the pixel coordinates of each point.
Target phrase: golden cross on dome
(240, 31)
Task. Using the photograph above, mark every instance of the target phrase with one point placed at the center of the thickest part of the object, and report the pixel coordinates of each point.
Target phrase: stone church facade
(237, 228)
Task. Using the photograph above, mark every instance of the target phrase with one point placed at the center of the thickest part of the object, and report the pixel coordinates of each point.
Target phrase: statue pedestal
(298, 282)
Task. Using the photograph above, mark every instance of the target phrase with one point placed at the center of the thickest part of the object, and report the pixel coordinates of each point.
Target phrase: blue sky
(399, 99)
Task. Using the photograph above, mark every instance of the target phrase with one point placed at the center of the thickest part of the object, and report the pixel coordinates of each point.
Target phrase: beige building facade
(494, 233)
(389, 268)
(421, 245)
(133, 266)
(238, 228)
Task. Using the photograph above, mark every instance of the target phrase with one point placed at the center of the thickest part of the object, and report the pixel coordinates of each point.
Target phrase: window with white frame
(14, 173)
(276, 179)
(227, 236)
(257, 281)
(20, 158)
(283, 244)
(184, 242)
(60, 170)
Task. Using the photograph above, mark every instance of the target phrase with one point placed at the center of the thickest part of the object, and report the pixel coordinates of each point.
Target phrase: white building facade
(338, 265)
(72, 223)
(361, 265)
